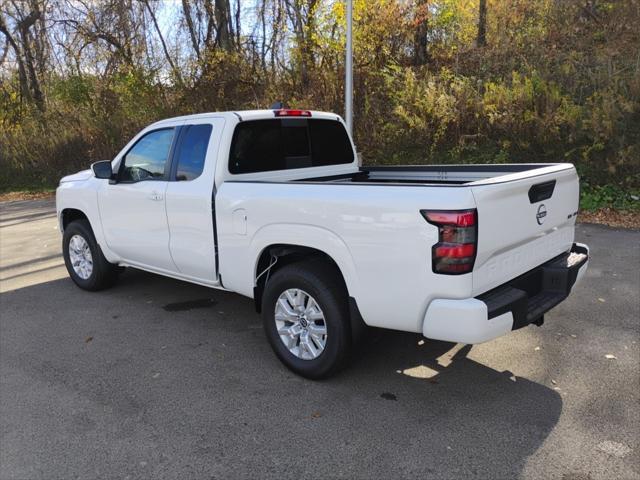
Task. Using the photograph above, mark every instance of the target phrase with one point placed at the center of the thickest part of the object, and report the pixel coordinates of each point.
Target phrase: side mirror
(102, 169)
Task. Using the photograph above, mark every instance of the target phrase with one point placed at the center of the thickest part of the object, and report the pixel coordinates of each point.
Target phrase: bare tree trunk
(263, 44)
(238, 30)
(223, 22)
(481, 40)
(5, 51)
(303, 21)
(421, 42)
(22, 72)
(29, 81)
(175, 71)
(275, 28)
(186, 9)
(123, 7)
(41, 45)
(309, 46)
(31, 69)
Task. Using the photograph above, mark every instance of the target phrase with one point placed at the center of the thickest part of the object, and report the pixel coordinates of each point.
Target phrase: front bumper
(515, 304)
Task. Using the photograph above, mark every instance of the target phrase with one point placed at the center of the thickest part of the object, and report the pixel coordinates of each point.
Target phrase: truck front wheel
(306, 318)
(83, 258)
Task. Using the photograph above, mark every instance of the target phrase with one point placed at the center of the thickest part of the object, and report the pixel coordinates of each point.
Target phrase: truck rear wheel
(306, 319)
(84, 260)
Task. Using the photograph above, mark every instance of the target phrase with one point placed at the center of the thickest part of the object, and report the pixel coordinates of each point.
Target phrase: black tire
(104, 274)
(325, 285)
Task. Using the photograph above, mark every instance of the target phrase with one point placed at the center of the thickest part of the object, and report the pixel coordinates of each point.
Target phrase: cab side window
(192, 150)
(147, 159)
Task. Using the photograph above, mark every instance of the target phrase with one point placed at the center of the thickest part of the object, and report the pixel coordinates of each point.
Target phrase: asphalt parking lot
(157, 378)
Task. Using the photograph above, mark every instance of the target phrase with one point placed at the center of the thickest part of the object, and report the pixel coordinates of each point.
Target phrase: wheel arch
(68, 215)
(276, 256)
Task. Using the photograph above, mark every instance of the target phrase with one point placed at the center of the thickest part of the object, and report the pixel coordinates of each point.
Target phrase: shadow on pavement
(113, 382)
(30, 262)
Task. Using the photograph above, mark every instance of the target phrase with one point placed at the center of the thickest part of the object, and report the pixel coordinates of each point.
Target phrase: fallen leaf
(88, 339)
(316, 415)
(614, 448)
(601, 300)
(610, 356)
(612, 217)
(554, 382)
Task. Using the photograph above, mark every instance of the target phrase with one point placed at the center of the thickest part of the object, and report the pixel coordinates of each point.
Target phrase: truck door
(190, 200)
(133, 209)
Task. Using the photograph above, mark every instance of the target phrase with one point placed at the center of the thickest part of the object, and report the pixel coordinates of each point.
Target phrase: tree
(421, 54)
(302, 15)
(174, 69)
(481, 39)
(25, 48)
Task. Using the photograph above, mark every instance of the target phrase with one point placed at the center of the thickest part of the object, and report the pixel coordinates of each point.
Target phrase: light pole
(348, 74)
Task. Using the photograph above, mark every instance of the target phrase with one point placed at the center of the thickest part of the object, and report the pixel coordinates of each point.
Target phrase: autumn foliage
(436, 81)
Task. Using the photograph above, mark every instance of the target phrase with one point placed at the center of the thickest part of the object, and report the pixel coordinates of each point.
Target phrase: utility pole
(348, 74)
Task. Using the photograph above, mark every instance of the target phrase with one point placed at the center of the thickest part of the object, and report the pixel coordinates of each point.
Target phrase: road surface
(156, 378)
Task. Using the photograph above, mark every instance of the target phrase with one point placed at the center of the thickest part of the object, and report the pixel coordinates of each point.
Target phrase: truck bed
(436, 174)
(526, 215)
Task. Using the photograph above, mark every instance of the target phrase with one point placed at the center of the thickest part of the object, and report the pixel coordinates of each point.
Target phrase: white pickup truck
(273, 205)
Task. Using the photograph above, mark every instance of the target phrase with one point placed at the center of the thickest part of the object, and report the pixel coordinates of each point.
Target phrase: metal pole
(348, 80)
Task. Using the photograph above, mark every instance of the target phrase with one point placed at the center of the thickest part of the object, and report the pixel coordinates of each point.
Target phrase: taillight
(283, 112)
(455, 251)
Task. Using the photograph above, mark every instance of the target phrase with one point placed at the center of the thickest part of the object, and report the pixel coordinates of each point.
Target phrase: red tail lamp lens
(465, 218)
(455, 252)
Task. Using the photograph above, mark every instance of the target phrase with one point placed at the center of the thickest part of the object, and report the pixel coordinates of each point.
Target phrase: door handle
(541, 191)
(155, 196)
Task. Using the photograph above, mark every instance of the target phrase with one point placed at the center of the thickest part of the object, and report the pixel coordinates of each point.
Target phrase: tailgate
(523, 221)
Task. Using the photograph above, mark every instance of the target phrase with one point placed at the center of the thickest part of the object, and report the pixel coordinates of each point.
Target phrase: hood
(78, 177)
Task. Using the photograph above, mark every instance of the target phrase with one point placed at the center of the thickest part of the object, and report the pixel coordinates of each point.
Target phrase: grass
(594, 198)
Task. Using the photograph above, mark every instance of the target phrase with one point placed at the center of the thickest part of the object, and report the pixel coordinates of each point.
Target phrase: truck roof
(250, 115)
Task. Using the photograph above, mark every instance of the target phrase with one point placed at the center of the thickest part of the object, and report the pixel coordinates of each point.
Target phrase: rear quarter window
(192, 151)
(285, 144)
